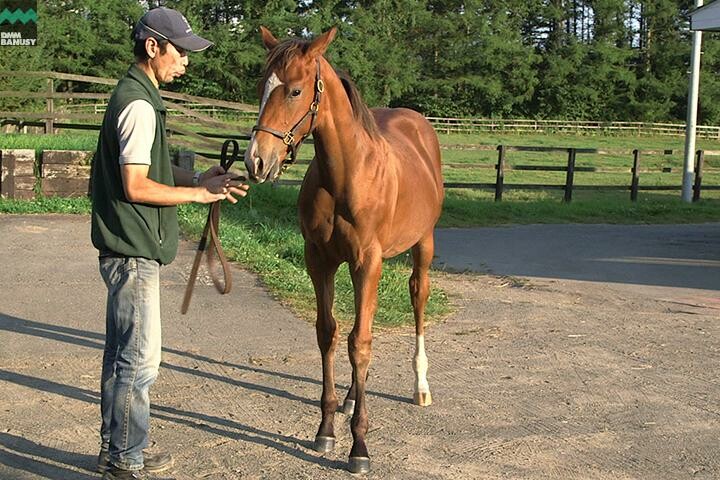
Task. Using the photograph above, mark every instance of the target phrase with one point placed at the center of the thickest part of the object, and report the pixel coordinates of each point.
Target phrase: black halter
(288, 137)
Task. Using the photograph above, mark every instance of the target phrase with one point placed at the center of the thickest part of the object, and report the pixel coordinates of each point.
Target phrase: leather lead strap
(214, 247)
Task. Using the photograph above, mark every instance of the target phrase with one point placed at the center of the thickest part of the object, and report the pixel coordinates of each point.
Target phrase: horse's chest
(334, 229)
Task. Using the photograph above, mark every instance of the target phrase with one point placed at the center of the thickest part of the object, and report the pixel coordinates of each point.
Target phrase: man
(135, 190)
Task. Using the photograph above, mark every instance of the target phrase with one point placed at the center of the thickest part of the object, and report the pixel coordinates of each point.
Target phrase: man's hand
(215, 185)
(221, 186)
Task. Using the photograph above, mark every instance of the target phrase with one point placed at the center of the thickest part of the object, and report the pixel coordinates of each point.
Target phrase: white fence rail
(477, 125)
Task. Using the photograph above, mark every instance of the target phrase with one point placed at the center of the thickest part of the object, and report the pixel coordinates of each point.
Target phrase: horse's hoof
(324, 444)
(348, 407)
(424, 399)
(359, 465)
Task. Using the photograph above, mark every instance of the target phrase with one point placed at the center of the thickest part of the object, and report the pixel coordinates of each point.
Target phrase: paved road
(538, 376)
(686, 256)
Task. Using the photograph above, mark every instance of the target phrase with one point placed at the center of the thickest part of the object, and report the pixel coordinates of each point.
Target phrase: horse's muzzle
(261, 170)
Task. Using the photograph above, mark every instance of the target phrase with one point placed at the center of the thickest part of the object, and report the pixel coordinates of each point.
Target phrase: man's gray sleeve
(136, 132)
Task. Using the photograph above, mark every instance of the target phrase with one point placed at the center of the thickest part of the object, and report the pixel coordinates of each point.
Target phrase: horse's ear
(320, 44)
(268, 38)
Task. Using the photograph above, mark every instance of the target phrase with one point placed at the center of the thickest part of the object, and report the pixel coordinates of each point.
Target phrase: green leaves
(579, 59)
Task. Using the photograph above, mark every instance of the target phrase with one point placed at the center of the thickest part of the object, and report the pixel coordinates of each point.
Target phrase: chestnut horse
(373, 191)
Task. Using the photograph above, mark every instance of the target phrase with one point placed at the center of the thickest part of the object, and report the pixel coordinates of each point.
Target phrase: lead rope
(212, 229)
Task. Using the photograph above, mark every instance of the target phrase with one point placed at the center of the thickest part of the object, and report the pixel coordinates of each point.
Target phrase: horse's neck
(342, 146)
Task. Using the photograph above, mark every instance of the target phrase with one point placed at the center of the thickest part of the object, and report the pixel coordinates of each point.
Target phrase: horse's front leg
(365, 277)
(322, 274)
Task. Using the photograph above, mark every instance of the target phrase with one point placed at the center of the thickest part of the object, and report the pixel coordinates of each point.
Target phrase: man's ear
(151, 47)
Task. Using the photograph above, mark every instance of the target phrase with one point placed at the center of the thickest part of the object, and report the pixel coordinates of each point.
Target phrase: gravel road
(533, 377)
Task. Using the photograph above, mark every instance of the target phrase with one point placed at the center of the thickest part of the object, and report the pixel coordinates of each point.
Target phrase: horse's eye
(296, 92)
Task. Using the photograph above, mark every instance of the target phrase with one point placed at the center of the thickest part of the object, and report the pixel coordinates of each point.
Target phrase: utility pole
(691, 126)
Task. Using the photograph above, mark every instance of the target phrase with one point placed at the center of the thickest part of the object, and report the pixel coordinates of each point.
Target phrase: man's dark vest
(119, 226)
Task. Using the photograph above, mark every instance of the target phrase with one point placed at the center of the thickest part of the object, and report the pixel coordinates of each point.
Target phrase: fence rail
(66, 107)
(79, 173)
(60, 104)
(477, 125)
(570, 168)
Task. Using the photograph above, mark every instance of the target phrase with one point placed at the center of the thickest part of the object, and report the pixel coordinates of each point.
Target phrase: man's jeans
(132, 356)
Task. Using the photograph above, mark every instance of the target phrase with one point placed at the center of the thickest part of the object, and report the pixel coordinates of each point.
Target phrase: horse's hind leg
(422, 254)
(323, 278)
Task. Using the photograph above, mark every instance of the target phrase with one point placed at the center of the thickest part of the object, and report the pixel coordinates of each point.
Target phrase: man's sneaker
(155, 461)
(114, 473)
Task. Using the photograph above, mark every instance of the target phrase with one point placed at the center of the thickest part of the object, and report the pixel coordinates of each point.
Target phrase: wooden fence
(479, 125)
(570, 169)
(54, 173)
(66, 173)
(68, 109)
(65, 108)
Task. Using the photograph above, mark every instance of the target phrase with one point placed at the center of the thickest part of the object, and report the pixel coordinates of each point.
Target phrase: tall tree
(474, 60)
(91, 37)
(663, 58)
(584, 59)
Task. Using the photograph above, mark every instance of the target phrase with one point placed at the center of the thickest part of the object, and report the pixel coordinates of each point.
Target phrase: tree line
(615, 60)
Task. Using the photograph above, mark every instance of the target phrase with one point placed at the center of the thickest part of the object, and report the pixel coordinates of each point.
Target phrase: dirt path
(556, 379)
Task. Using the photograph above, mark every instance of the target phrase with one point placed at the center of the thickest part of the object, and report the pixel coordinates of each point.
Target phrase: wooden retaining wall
(65, 173)
(18, 174)
(57, 173)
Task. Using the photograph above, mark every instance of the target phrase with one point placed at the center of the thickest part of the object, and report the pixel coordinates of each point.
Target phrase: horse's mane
(361, 111)
(280, 56)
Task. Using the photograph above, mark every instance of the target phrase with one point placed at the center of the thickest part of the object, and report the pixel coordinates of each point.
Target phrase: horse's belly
(414, 216)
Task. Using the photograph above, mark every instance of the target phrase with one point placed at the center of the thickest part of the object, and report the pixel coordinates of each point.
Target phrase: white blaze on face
(272, 83)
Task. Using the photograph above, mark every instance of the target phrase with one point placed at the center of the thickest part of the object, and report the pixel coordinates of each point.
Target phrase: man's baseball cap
(168, 24)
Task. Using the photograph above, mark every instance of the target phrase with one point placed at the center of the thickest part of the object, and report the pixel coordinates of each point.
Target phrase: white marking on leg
(420, 365)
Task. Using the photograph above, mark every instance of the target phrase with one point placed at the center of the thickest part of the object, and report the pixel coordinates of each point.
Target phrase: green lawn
(261, 231)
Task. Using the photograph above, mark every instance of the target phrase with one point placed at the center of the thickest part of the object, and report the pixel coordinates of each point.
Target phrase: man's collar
(141, 77)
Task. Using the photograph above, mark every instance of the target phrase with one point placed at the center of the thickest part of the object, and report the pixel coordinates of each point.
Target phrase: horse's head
(290, 94)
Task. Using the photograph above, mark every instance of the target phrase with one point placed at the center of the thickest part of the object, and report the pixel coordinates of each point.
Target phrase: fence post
(700, 159)
(500, 173)
(49, 127)
(569, 178)
(185, 159)
(635, 176)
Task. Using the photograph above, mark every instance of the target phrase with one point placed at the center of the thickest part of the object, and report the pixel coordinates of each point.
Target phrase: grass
(471, 208)
(40, 205)
(261, 232)
(61, 141)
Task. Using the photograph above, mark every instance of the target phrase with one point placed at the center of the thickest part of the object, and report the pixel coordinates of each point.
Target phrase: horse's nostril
(260, 165)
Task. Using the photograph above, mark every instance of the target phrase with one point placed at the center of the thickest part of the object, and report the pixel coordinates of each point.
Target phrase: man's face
(169, 65)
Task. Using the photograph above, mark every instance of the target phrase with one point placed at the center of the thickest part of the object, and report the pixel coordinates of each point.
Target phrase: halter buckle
(314, 107)
(320, 87)
(289, 138)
